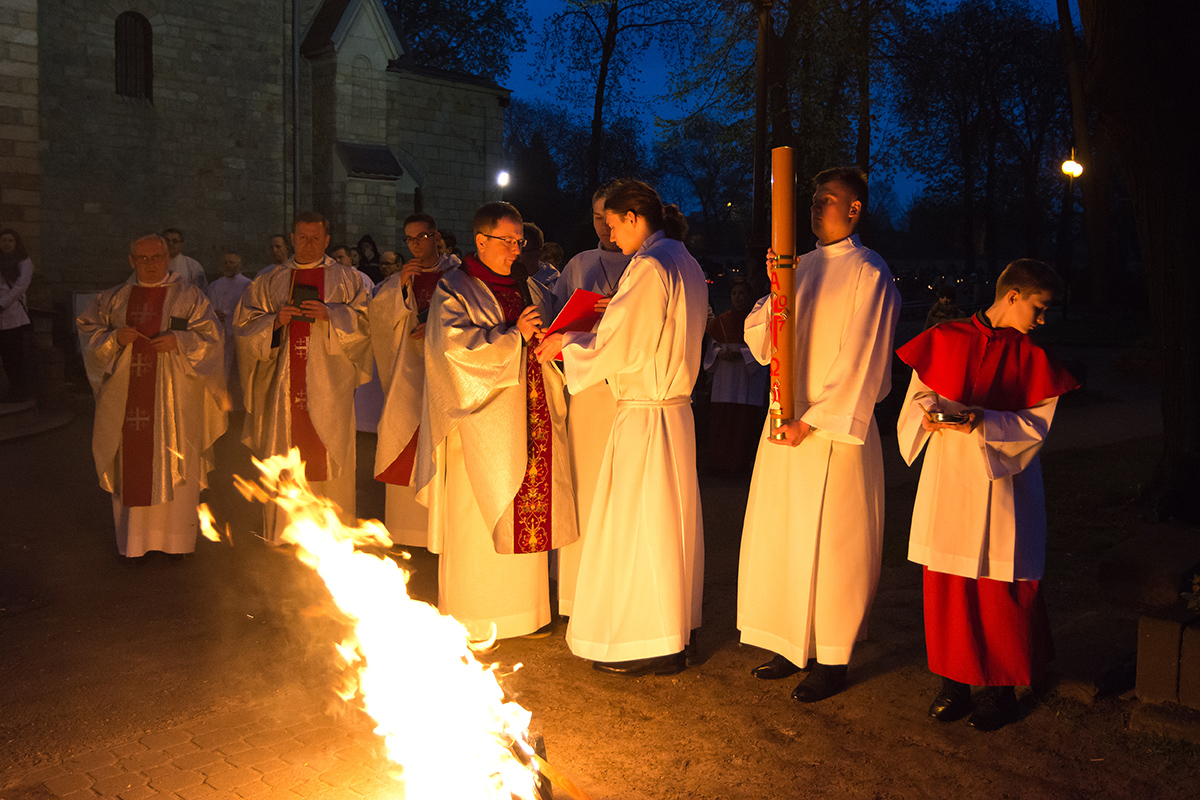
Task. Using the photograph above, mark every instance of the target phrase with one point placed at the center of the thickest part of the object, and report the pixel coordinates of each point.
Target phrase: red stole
(399, 472)
(304, 435)
(1000, 369)
(531, 506)
(728, 328)
(145, 314)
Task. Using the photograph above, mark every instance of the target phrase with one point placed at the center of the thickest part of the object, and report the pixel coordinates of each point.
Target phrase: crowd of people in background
(536, 421)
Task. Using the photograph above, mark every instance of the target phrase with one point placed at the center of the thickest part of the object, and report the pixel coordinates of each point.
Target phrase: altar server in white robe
(590, 412)
(225, 293)
(153, 352)
(641, 574)
(398, 315)
(299, 376)
(813, 534)
(492, 461)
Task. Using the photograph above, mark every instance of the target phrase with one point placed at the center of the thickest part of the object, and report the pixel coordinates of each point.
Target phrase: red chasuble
(985, 632)
(145, 314)
(399, 472)
(304, 435)
(531, 506)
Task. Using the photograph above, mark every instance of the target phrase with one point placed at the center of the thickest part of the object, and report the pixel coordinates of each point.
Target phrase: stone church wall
(20, 191)
(206, 154)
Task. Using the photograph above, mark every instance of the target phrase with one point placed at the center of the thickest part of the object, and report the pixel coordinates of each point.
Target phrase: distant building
(123, 116)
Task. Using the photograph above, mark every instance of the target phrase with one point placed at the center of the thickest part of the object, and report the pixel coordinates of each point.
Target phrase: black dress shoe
(823, 680)
(997, 707)
(952, 702)
(778, 667)
(672, 664)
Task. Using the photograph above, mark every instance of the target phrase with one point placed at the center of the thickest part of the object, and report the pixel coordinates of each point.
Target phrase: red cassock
(983, 631)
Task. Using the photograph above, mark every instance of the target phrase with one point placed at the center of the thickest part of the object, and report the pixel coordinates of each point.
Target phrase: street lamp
(1072, 168)
(502, 179)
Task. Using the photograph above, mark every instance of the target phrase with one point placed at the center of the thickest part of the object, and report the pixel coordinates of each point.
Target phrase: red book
(579, 314)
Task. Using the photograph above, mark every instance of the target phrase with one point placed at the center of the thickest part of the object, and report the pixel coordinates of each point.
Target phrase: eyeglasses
(388, 263)
(420, 237)
(517, 243)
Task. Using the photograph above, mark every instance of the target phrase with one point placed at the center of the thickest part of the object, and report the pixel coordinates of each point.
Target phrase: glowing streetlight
(1072, 168)
(502, 179)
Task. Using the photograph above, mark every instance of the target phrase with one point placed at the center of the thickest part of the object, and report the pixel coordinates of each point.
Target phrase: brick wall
(20, 192)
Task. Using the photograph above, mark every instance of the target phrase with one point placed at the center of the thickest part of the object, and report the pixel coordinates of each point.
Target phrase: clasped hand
(973, 417)
(162, 343)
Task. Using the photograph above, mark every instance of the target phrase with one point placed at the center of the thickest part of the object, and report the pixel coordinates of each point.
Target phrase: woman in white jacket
(16, 270)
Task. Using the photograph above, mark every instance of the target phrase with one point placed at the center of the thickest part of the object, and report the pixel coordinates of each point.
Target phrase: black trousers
(15, 358)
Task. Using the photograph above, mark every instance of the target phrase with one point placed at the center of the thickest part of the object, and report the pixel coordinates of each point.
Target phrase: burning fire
(442, 714)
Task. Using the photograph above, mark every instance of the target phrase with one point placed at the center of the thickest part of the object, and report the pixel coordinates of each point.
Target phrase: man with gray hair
(153, 352)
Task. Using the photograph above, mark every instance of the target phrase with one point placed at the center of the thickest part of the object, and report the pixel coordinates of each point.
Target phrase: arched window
(135, 59)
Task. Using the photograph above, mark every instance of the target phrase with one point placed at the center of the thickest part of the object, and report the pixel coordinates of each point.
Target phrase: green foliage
(478, 37)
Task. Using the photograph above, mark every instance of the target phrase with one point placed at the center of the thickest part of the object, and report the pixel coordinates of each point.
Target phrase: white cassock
(742, 380)
(641, 572)
(190, 270)
(187, 416)
(401, 358)
(368, 398)
(225, 294)
(813, 534)
(590, 412)
(472, 458)
(337, 360)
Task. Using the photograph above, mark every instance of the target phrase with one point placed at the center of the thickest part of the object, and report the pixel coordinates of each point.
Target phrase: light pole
(758, 215)
(1072, 169)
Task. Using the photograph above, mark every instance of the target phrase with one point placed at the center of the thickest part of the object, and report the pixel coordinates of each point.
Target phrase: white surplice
(980, 511)
(472, 455)
(641, 574)
(590, 412)
(401, 363)
(813, 534)
(189, 413)
(338, 361)
(190, 270)
(225, 294)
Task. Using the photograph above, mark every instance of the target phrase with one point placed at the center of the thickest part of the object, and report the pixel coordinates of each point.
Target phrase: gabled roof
(333, 20)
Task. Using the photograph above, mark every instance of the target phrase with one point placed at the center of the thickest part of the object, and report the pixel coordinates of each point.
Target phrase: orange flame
(442, 714)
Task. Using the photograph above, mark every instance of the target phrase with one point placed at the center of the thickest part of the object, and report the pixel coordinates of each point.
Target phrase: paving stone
(46, 773)
(196, 758)
(1189, 667)
(1160, 634)
(81, 794)
(164, 739)
(233, 778)
(181, 749)
(119, 783)
(100, 773)
(249, 758)
(234, 747)
(271, 765)
(64, 784)
(254, 790)
(1168, 719)
(347, 774)
(198, 792)
(90, 761)
(290, 776)
(128, 749)
(268, 737)
(215, 738)
(147, 759)
(179, 779)
(140, 792)
(375, 785)
(215, 768)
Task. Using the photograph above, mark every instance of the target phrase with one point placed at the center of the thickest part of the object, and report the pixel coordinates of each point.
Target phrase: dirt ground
(93, 651)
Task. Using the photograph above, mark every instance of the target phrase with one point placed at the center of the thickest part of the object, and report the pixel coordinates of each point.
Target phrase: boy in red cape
(983, 395)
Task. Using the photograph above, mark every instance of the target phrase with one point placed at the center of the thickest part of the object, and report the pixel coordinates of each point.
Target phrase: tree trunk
(968, 202)
(1096, 181)
(1140, 58)
(862, 150)
(608, 47)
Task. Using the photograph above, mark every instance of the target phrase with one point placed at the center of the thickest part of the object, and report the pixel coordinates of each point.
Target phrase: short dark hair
(310, 217)
(534, 238)
(337, 247)
(850, 177)
(173, 230)
(1027, 276)
(603, 190)
(278, 236)
(489, 215)
(420, 216)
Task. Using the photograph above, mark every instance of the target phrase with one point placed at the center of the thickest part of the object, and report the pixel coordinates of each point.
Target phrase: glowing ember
(441, 713)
